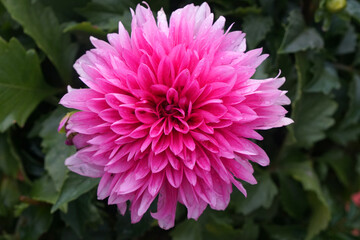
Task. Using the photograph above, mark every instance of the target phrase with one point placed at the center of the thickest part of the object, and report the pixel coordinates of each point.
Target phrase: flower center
(166, 109)
(169, 105)
(169, 109)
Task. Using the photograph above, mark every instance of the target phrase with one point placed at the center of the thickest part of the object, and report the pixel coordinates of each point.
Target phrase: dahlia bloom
(169, 112)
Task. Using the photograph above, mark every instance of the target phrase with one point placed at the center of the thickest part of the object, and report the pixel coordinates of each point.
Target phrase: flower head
(169, 111)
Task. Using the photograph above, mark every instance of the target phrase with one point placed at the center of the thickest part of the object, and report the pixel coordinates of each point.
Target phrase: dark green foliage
(306, 191)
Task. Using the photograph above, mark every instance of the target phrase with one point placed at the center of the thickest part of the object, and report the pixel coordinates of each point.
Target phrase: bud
(335, 5)
(63, 122)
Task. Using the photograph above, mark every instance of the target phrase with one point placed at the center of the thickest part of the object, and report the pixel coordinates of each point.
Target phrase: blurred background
(311, 190)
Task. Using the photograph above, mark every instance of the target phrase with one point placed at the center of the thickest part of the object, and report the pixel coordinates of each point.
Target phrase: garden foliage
(306, 191)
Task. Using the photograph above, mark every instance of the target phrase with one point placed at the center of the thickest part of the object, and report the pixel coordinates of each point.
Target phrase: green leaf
(286, 232)
(341, 164)
(349, 128)
(346, 134)
(64, 9)
(256, 28)
(292, 196)
(10, 162)
(9, 196)
(353, 9)
(249, 231)
(55, 148)
(353, 114)
(80, 214)
(8, 237)
(43, 189)
(106, 14)
(301, 67)
(187, 230)
(127, 230)
(33, 222)
(22, 86)
(319, 219)
(298, 37)
(42, 25)
(348, 43)
(312, 116)
(84, 27)
(259, 195)
(74, 186)
(242, 11)
(220, 230)
(305, 174)
(357, 168)
(325, 79)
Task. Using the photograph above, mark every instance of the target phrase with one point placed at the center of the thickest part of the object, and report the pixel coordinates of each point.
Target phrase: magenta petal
(190, 175)
(176, 144)
(128, 184)
(165, 73)
(122, 208)
(194, 205)
(146, 200)
(141, 171)
(190, 160)
(146, 77)
(77, 98)
(76, 164)
(173, 160)
(145, 115)
(156, 182)
(157, 128)
(104, 186)
(157, 162)
(166, 207)
(174, 176)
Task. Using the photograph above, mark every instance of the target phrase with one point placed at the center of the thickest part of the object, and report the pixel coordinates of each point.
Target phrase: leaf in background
(249, 231)
(33, 222)
(301, 66)
(43, 189)
(348, 43)
(9, 196)
(127, 230)
(312, 117)
(10, 162)
(325, 79)
(321, 215)
(80, 214)
(285, 232)
(22, 86)
(187, 230)
(353, 9)
(256, 27)
(64, 9)
(84, 27)
(55, 148)
(349, 128)
(259, 195)
(74, 186)
(106, 14)
(305, 174)
(298, 37)
(341, 164)
(42, 25)
(292, 196)
(319, 219)
(353, 113)
(221, 230)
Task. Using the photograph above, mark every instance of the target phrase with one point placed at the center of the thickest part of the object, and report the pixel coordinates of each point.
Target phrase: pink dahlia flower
(169, 112)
